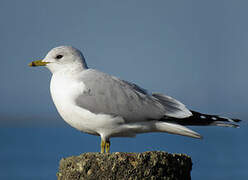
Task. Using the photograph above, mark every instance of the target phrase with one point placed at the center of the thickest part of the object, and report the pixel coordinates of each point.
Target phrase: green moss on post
(147, 165)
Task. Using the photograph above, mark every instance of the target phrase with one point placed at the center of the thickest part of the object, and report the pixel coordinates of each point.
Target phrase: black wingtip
(225, 124)
(237, 120)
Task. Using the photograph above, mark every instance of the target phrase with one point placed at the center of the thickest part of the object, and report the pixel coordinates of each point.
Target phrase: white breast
(64, 91)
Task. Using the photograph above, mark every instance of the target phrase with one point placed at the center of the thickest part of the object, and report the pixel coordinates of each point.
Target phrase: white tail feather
(176, 129)
(156, 126)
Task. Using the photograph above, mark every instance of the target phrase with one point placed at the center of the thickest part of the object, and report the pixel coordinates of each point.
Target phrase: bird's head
(62, 57)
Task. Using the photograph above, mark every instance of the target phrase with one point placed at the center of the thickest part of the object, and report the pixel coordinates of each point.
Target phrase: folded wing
(106, 94)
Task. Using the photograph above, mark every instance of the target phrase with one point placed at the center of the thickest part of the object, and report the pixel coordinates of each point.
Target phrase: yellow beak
(38, 63)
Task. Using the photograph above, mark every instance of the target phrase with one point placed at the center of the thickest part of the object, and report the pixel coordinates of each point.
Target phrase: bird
(100, 104)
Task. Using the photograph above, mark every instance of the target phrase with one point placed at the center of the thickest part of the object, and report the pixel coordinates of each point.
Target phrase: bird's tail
(178, 129)
(199, 119)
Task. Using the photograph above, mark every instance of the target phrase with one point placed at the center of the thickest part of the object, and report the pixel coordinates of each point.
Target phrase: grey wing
(109, 95)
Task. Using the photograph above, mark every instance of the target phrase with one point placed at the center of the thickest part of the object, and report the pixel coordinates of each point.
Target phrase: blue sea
(33, 151)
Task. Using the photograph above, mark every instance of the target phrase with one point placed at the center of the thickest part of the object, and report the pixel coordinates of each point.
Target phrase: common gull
(100, 104)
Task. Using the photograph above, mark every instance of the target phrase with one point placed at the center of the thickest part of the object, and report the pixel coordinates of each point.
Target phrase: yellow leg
(107, 146)
(103, 144)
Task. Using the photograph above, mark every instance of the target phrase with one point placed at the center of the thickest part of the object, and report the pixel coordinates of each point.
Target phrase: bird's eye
(59, 56)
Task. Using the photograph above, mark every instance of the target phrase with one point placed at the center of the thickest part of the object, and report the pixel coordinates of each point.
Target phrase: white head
(62, 58)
